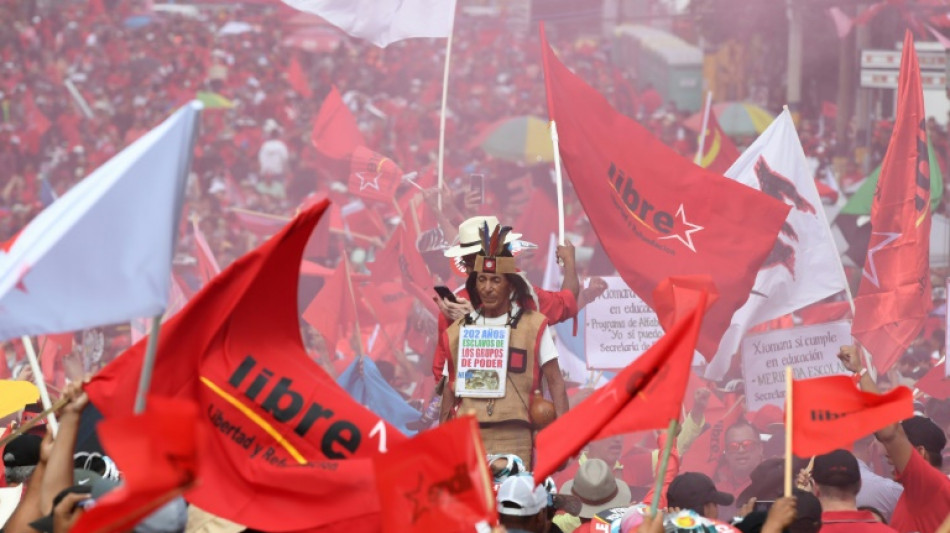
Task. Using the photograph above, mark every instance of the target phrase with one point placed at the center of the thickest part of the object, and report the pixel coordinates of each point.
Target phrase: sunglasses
(741, 446)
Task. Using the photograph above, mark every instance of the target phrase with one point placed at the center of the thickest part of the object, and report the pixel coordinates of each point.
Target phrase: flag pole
(661, 471)
(356, 314)
(445, 101)
(559, 182)
(702, 132)
(788, 431)
(145, 377)
(40, 381)
(151, 349)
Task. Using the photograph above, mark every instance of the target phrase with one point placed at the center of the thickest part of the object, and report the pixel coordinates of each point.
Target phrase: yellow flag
(14, 395)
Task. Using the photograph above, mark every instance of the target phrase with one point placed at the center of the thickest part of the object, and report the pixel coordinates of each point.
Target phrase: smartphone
(445, 293)
(762, 506)
(477, 184)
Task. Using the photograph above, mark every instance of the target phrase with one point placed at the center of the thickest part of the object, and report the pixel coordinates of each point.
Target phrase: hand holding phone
(445, 293)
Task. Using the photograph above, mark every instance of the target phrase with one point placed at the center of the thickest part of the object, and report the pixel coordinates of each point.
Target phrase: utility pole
(793, 88)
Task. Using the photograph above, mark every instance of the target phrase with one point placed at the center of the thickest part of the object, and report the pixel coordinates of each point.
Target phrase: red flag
(261, 224)
(894, 298)
(52, 349)
(645, 395)
(935, 382)
(157, 453)
(373, 176)
(830, 413)
(332, 310)
(207, 266)
(290, 449)
(719, 152)
(655, 213)
(706, 451)
(437, 481)
(335, 133)
(298, 79)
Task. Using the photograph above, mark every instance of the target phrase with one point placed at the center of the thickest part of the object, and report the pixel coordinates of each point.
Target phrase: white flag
(382, 22)
(804, 266)
(102, 253)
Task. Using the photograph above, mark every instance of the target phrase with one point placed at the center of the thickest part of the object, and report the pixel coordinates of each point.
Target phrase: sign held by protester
(619, 327)
(483, 362)
(812, 351)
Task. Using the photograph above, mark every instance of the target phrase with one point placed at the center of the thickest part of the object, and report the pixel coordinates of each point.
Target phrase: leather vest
(524, 371)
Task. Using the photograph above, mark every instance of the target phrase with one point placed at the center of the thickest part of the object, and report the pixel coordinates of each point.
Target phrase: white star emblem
(367, 182)
(687, 237)
(872, 277)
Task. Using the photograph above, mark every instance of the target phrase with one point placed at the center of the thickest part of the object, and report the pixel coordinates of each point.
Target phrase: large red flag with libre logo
(894, 297)
(830, 413)
(657, 214)
(719, 152)
(290, 450)
(645, 395)
(437, 481)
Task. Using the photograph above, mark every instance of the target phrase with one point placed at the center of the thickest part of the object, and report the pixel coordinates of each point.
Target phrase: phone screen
(445, 293)
(763, 506)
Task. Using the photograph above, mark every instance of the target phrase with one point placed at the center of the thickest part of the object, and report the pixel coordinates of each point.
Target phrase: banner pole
(445, 100)
(40, 381)
(356, 317)
(702, 132)
(559, 183)
(145, 378)
(661, 471)
(788, 431)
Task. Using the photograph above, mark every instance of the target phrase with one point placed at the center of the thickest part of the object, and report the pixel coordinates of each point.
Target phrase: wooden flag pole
(559, 183)
(702, 132)
(35, 421)
(445, 101)
(40, 381)
(661, 471)
(788, 431)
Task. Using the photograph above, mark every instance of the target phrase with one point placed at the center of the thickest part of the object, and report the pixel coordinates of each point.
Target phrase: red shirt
(845, 522)
(925, 502)
(555, 306)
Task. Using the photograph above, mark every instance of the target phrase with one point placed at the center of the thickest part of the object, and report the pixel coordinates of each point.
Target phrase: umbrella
(139, 21)
(213, 100)
(315, 39)
(735, 118)
(520, 139)
(235, 27)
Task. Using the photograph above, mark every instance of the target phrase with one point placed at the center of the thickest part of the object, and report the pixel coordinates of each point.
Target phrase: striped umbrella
(735, 118)
(524, 139)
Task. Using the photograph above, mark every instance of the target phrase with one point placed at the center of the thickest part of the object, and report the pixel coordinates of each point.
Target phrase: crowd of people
(79, 81)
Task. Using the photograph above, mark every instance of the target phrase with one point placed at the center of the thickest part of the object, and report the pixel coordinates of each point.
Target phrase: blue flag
(372, 391)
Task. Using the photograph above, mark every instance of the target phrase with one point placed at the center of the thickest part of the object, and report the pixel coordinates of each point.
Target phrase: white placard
(618, 327)
(812, 351)
(482, 362)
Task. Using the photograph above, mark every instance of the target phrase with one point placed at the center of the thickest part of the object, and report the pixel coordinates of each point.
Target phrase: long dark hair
(521, 293)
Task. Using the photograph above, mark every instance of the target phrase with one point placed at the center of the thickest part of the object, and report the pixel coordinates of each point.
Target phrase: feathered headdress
(490, 259)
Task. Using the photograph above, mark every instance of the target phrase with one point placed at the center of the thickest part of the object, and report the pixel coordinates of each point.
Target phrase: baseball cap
(693, 490)
(519, 496)
(22, 451)
(836, 469)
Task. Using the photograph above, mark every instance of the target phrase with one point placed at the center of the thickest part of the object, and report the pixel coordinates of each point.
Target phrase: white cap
(519, 496)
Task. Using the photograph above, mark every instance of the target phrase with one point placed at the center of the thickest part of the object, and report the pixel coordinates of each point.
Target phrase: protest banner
(483, 362)
(619, 326)
(811, 351)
